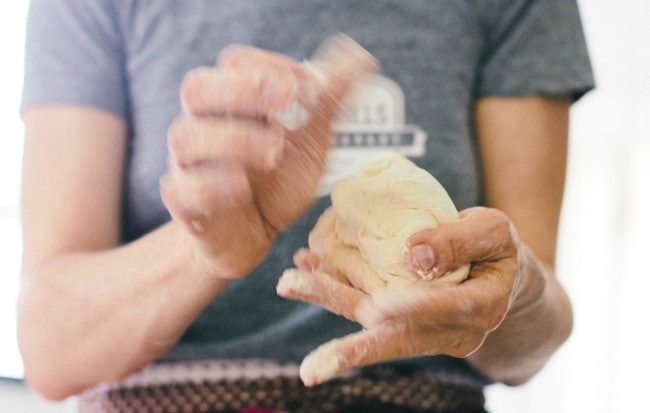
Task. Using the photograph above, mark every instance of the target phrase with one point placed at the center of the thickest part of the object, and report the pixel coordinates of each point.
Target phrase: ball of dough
(374, 213)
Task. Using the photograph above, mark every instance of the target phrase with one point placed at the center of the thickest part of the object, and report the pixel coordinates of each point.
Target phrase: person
(161, 202)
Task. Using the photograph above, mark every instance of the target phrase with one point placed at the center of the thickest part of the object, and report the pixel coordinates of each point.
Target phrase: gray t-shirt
(438, 56)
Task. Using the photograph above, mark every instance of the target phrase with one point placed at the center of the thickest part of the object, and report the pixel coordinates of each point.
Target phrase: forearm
(538, 322)
(87, 317)
(523, 145)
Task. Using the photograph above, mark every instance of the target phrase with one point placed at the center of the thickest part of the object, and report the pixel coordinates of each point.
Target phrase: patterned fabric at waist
(260, 387)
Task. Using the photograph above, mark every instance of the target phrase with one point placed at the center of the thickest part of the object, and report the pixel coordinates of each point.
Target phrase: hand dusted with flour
(359, 245)
(247, 153)
(362, 239)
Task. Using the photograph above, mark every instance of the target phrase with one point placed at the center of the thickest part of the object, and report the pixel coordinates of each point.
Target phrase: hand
(420, 319)
(237, 176)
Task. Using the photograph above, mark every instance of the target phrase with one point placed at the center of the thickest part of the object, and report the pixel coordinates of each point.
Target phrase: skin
(512, 296)
(92, 311)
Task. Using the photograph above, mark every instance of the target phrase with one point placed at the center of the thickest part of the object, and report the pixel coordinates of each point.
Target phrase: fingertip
(306, 260)
(294, 283)
(300, 254)
(347, 54)
(230, 56)
(167, 192)
(308, 377)
(191, 88)
(319, 366)
(342, 62)
(177, 141)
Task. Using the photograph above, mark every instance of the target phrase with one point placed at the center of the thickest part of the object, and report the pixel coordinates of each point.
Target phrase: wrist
(531, 283)
(225, 264)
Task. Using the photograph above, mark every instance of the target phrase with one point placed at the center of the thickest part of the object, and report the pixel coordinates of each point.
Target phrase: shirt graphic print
(372, 123)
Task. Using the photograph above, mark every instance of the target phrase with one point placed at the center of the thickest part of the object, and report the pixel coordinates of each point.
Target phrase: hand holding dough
(249, 148)
(357, 248)
(373, 215)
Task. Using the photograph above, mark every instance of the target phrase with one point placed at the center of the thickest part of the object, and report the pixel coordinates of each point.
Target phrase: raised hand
(241, 167)
(425, 318)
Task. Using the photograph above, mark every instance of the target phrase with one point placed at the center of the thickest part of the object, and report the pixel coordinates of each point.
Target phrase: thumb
(481, 234)
(390, 341)
(315, 86)
(339, 63)
(337, 66)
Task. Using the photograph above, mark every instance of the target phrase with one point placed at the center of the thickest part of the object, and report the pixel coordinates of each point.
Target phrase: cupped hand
(425, 318)
(251, 144)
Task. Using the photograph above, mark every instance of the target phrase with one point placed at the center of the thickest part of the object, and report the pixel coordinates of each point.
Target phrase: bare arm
(511, 313)
(80, 291)
(92, 310)
(523, 145)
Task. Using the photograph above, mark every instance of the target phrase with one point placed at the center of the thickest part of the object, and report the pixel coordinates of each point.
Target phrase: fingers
(306, 260)
(427, 318)
(331, 72)
(222, 92)
(339, 355)
(479, 304)
(390, 341)
(339, 65)
(317, 287)
(342, 62)
(225, 148)
(314, 283)
(452, 320)
(192, 194)
(193, 141)
(344, 261)
(229, 110)
(233, 111)
(293, 113)
(482, 234)
(215, 204)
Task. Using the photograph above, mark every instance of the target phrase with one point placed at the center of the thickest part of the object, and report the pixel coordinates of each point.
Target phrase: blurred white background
(604, 234)
(12, 25)
(603, 240)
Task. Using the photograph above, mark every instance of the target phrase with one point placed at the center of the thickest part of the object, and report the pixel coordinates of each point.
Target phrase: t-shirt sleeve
(74, 56)
(536, 47)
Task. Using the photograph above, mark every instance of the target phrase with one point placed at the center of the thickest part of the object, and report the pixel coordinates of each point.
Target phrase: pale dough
(373, 214)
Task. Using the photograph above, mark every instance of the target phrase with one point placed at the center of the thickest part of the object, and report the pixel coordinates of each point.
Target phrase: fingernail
(423, 260)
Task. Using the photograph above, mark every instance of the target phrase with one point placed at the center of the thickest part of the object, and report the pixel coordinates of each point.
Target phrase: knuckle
(190, 89)
(188, 218)
(502, 232)
(175, 138)
(502, 224)
(233, 55)
(168, 194)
